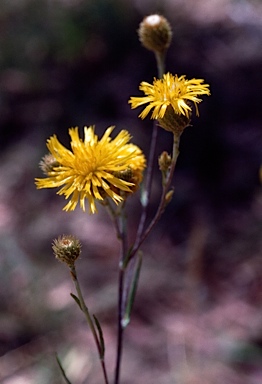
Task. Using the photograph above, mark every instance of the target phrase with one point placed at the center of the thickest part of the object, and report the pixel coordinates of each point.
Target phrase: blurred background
(198, 314)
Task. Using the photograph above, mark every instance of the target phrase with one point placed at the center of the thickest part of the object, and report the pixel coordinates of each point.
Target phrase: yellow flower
(92, 168)
(178, 92)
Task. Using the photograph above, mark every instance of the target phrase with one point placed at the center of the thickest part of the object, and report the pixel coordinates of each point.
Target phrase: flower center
(85, 166)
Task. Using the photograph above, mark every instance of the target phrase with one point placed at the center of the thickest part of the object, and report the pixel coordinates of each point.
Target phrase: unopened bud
(155, 33)
(67, 249)
(164, 161)
(169, 196)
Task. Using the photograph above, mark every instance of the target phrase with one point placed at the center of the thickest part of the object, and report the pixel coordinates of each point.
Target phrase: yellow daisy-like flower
(173, 91)
(94, 169)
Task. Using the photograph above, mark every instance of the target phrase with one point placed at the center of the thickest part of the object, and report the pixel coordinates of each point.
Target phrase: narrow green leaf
(76, 300)
(62, 369)
(101, 337)
(132, 292)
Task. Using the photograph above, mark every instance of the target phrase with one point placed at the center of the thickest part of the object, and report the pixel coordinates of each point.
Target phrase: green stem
(89, 321)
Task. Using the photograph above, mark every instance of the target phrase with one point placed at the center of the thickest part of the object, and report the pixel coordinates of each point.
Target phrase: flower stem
(160, 60)
(120, 330)
(89, 321)
(162, 203)
(121, 232)
(148, 183)
(121, 293)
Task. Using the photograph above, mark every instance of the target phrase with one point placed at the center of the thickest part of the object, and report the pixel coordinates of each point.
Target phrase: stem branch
(162, 203)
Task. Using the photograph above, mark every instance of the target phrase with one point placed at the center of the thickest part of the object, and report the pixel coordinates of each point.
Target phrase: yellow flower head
(94, 169)
(174, 91)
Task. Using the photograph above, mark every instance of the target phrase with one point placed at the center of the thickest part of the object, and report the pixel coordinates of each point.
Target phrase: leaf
(132, 292)
(62, 369)
(76, 300)
(101, 337)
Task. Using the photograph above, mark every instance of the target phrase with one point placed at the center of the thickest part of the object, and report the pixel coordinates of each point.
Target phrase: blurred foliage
(35, 31)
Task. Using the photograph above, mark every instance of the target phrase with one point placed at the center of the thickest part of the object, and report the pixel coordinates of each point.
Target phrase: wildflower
(67, 249)
(155, 33)
(174, 91)
(92, 168)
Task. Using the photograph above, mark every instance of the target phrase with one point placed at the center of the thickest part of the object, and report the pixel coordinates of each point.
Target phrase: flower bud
(67, 249)
(164, 162)
(155, 33)
(48, 163)
(174, 122)
(168, 196)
